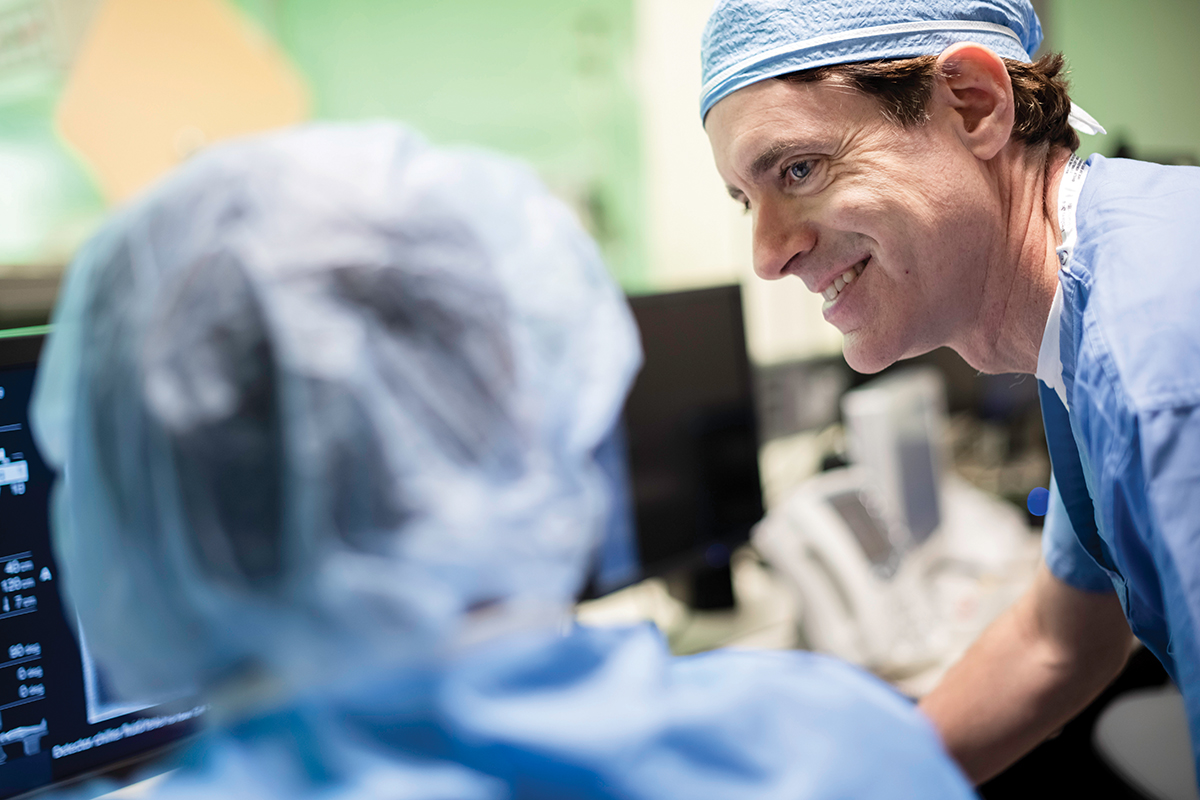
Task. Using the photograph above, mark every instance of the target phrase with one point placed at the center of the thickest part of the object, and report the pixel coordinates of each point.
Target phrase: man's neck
(1020, 282)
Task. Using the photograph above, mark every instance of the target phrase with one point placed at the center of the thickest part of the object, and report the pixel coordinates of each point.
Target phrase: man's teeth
(844, 280)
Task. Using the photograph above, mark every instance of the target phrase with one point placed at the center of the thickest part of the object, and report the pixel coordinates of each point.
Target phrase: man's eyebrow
(767, 158)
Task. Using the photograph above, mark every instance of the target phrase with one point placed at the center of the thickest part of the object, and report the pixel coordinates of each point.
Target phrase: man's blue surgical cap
(747, 41)
(328, 400)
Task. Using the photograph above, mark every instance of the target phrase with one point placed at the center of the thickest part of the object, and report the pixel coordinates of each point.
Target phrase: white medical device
(894, 565)
(894, 429)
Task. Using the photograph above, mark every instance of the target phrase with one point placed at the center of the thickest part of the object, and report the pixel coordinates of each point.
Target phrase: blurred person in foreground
(333, 413)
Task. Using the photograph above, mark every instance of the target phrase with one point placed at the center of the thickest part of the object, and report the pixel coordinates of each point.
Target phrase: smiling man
(909, 163)
(878, 219)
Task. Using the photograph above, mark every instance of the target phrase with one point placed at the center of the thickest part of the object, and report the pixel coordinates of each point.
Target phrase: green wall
(48, 202)
(1134, 67)
(549, 81)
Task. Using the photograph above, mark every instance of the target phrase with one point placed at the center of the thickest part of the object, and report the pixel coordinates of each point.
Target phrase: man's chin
(865, 356)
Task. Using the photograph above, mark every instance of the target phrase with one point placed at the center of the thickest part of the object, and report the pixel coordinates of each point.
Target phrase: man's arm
(1031, 671)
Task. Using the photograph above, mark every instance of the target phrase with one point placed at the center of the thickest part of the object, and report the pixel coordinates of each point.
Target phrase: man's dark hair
(903, 88)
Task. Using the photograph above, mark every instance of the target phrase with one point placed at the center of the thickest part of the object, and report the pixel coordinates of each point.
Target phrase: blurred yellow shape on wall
(156, 80)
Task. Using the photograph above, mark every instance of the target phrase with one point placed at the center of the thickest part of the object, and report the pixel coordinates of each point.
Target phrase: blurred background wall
(99, 97)
(1134, 67)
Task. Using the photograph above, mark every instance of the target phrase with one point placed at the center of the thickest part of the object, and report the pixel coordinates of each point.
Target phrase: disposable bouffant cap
(318, 396)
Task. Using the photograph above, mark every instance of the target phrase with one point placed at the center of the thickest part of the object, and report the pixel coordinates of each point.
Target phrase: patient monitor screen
(56, 718)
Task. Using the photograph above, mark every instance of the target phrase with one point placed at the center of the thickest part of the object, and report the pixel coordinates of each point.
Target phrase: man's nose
(780, 234)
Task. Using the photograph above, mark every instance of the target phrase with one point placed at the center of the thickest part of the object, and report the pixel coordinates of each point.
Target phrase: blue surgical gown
(597, 713)
(1130, 348)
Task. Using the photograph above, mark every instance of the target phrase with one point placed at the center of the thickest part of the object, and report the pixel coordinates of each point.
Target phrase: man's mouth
(845, 279)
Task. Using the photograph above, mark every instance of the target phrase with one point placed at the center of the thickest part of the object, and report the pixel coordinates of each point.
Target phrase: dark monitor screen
(57, 722)
(691, 430)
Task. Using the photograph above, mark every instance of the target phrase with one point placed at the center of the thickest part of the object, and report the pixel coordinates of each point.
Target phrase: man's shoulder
(1138, 253)
(1138, 212)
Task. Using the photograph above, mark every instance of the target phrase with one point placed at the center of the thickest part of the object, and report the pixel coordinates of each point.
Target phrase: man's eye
(800, 170)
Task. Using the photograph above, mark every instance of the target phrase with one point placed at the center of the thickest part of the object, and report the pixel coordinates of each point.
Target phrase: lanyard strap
(1069, 190)
(1049, 365)
(1060, 440)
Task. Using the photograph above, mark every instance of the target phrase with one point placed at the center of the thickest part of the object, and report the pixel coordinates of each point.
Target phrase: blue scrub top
(1130, 348)
(598, 713)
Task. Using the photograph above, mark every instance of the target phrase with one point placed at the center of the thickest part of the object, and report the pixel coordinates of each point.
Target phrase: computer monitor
(691, 431)
(57, 722)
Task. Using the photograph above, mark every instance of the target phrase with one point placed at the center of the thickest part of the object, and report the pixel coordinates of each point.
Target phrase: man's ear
(976, 89)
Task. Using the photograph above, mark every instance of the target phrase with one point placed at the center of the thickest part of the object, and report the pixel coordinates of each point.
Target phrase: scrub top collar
(1050, 366)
